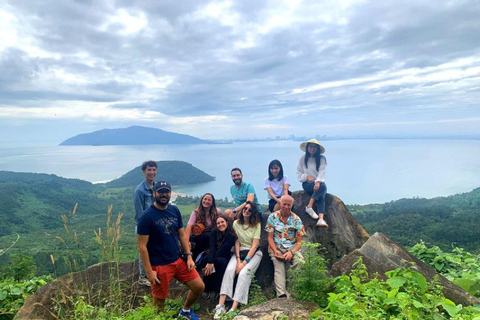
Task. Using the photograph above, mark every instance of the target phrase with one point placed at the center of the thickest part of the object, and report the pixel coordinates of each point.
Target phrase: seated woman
(200, 224)
(311, 173)
(245, 262)
(276, 185)
(217, 257)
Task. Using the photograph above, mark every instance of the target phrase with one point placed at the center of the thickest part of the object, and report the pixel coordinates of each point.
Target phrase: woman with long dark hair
(217, 257)
(311, 173)
(276, 185)
(245, 262)
(201, 223)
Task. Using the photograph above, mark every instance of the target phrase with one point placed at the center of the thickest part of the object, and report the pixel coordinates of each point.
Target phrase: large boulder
(99, 282)
(277, 309)
(381, 254)
(343, 235)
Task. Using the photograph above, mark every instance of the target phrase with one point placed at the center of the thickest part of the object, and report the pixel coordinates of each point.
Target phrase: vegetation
(405, 295)
(441, 221)
(458, 266)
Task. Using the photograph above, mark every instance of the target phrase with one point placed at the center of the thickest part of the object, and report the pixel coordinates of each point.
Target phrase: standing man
(241, 193)
(285, 232)
(160, 228)
(142, 200)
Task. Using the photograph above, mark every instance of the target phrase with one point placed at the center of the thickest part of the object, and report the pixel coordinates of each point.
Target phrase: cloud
(265, 66)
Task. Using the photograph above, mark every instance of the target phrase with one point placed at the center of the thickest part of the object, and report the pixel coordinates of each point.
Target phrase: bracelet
(234, 211)
(247, 259)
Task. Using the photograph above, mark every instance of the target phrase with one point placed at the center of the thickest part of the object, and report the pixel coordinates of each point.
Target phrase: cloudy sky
(227, 69)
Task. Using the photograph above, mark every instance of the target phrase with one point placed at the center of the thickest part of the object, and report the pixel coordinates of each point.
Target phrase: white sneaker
(311, 213)
(219, 310)
(144, 282)
(322, 224)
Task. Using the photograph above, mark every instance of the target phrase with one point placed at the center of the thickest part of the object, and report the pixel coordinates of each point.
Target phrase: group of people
(224, 247)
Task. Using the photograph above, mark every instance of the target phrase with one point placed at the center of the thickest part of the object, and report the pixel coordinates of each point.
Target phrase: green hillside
(441, 221)
(31, 201)
(175, 172)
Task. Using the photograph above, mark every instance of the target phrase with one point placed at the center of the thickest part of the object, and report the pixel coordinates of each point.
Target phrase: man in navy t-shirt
(159, 230)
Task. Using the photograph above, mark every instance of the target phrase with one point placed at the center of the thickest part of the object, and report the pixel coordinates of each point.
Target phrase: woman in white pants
(245, 262)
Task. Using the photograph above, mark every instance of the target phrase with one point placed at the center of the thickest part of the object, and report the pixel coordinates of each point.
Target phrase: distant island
(134, 135)
(175, 172)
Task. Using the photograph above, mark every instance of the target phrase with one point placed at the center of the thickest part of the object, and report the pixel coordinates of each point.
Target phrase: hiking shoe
(190, 315)
(322, 224)
(219, 310)
(214, 295)
(311, 213)
(144, 282)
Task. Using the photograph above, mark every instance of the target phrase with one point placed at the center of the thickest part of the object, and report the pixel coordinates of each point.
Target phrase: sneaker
(234, 311)
(322, 224)
(190, 315)
(219, 310)
(144, 282)
(311, 213)
(214, 295)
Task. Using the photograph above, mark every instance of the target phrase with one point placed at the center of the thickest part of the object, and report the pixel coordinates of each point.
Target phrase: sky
(239, 69)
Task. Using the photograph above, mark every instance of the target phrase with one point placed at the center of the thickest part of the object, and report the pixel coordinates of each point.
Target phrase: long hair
(254, 218)
(201, 211)
(316, 155)
(221, 236)
(280, 173)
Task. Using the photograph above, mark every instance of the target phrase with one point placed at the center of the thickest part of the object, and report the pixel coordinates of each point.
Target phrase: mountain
(175, 172)
(134, 135)
(35, 201)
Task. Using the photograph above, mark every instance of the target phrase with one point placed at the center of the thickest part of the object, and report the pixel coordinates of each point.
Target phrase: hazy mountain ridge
(134, 135)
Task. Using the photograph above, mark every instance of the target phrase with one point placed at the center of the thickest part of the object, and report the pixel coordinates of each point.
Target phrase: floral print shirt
(285, 232)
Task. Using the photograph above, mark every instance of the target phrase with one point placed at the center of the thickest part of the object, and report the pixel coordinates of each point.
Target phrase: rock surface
(381, 254)
(342, 243)
(278, 308)
(343, 235)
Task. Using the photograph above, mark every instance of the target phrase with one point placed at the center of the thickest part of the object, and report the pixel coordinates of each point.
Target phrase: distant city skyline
(236, 69)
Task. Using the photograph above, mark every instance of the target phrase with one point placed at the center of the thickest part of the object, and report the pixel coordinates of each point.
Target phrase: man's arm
(271, 244)
(142, 248)
(289, 255)
(182, 236)
(138, 201)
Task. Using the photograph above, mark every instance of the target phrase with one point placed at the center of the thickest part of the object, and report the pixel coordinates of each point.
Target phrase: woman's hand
(316, 186)
(208, 269)
(240, 266)
(310, 179)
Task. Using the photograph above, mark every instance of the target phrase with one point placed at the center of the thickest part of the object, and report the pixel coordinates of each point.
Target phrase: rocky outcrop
(343, 235)
(381, 254)
(93, 284)
(342, 244)
(277, 309)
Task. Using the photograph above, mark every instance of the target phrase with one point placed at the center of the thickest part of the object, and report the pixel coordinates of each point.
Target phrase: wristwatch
(189, 254)
(234, 211)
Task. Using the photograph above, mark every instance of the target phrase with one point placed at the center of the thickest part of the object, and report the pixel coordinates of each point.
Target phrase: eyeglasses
(247, 209)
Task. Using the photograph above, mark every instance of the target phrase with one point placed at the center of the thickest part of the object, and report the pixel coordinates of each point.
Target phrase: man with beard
(142, 200)
(159, 230)
(241, 193)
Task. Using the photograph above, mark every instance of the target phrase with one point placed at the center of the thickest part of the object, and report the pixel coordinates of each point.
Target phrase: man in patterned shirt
(285, 232)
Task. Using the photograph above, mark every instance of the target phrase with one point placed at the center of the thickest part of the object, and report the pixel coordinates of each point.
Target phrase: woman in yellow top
(246, 260)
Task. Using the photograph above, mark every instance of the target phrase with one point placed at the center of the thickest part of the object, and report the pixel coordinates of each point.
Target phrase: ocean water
(358, 171)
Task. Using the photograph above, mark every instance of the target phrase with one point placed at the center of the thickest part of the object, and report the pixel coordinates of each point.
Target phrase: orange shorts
(166, 273)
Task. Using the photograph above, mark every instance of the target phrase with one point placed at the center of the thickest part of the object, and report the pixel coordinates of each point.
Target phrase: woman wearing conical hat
(311, 173)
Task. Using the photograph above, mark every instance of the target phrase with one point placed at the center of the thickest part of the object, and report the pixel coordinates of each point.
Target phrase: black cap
(162, 185)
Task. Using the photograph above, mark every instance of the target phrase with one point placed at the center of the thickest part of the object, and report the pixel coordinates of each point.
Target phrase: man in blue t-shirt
(159, 230)
(241, 193)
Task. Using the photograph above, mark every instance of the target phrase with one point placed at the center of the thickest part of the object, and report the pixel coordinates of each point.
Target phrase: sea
(358, 172)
